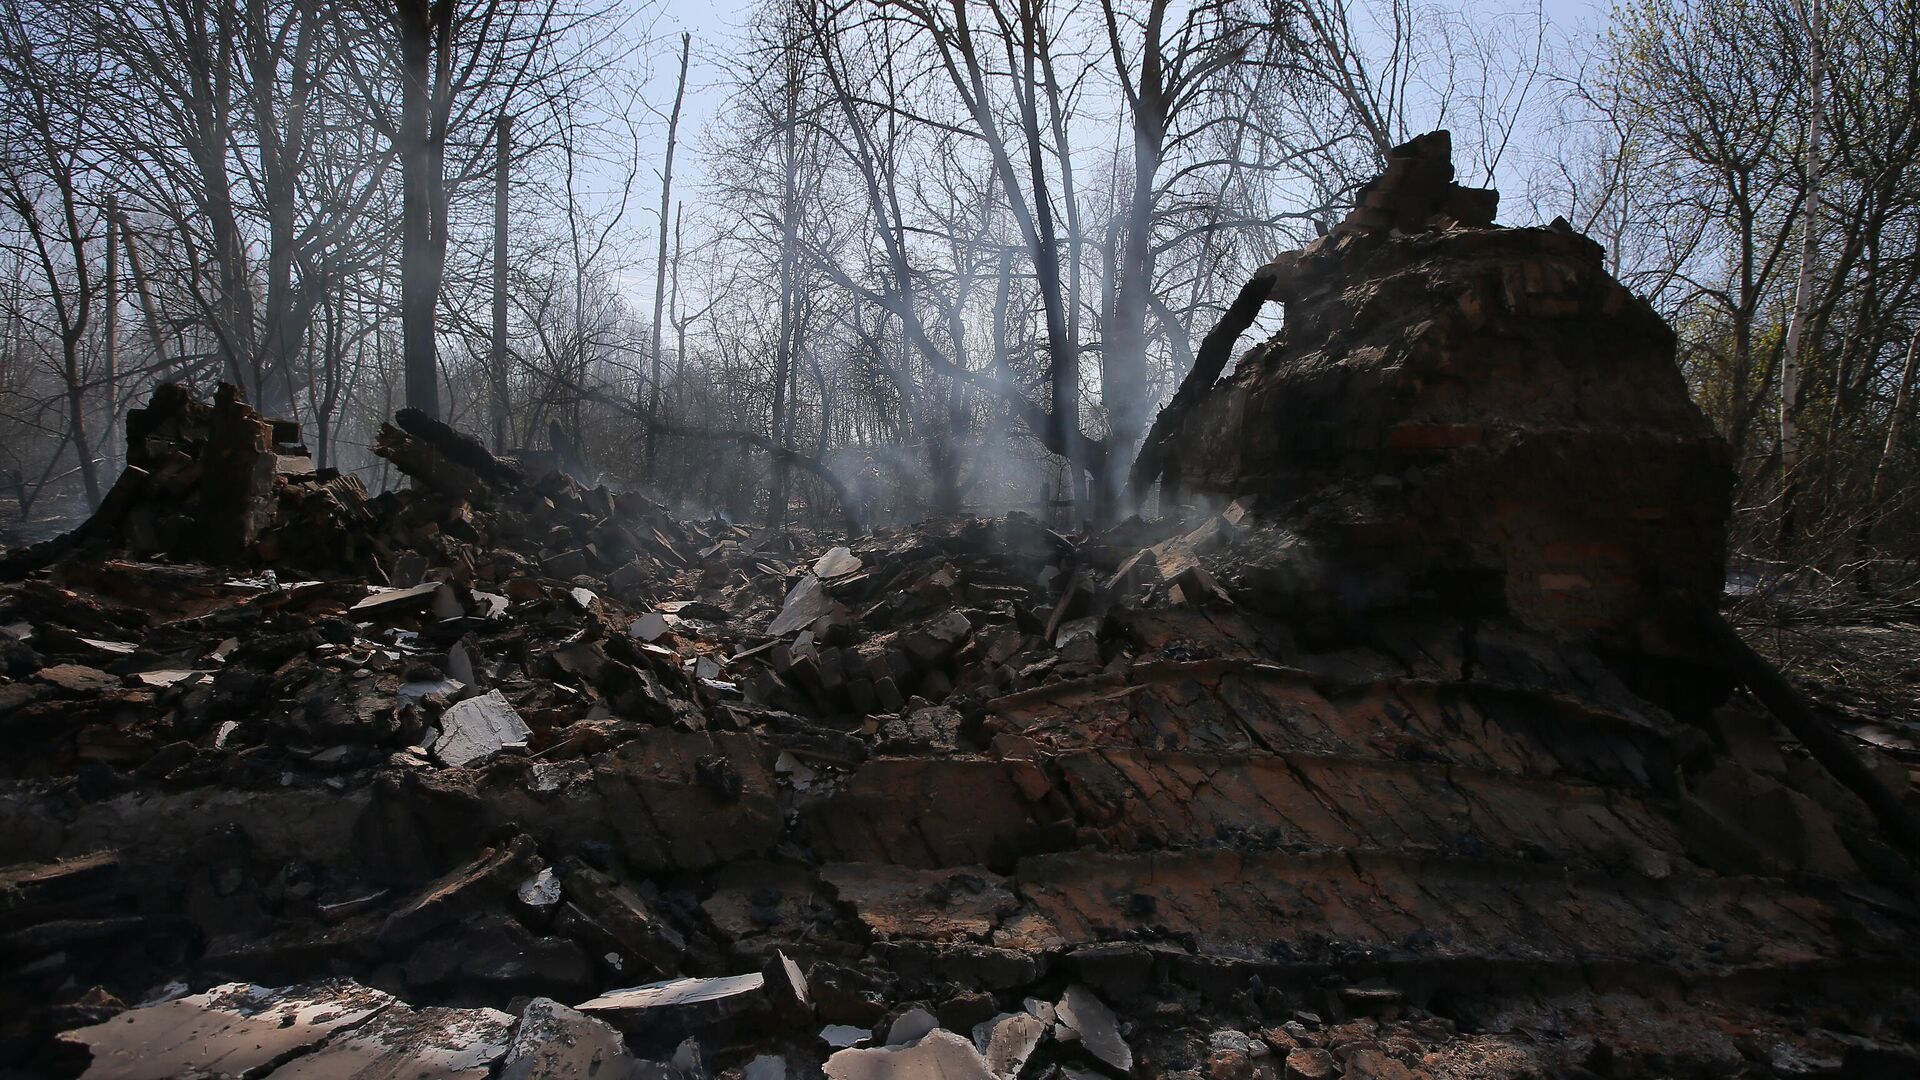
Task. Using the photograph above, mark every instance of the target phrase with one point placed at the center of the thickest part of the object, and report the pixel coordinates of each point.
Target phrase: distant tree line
(946, 254)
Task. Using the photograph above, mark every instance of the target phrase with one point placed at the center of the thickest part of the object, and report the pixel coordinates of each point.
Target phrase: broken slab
(478, 728)
(652, 626)
(385, 603)
(403, 1043)
(680, 1004)
(940, 1055)
(231, 1030)
(807, 601)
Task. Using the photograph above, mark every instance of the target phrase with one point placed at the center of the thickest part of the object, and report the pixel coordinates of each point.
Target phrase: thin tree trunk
(1896, 428)
(789, 227)
(110, 347)
(497, 357)
(660, 261)
(419, 277)
(1791, 376)
(148, 309)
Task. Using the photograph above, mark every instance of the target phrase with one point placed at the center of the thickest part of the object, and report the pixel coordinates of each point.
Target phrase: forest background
(870, 260)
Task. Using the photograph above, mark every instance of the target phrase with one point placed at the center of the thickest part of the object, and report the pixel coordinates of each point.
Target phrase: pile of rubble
(507, 776)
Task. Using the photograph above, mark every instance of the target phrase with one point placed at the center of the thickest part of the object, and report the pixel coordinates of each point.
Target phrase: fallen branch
(1828, 746)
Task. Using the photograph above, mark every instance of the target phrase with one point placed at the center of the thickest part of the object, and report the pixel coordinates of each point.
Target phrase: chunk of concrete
(1008, 1040)
(553, 1042)
(940, 1055)
(836, 563)
(478, 728)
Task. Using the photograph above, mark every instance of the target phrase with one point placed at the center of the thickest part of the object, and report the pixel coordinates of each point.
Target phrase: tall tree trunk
(280, 132)
(497, 355)
(1896, 428)
(110, 345)
(1791, 376)
(660, 260)
(784, 360)
(419, 270)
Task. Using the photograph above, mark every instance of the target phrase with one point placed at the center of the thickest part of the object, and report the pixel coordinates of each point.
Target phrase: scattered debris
(1409, 762)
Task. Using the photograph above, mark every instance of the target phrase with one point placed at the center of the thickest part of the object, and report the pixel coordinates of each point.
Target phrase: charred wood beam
(1215, 349)
(444, 459)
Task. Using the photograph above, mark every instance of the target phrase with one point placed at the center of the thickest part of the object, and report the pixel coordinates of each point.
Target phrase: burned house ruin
(1415, 755)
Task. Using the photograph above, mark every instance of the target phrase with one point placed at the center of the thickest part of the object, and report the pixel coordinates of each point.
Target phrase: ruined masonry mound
(1481, 413)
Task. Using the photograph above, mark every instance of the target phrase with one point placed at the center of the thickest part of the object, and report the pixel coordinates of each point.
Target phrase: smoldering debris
(506, 775)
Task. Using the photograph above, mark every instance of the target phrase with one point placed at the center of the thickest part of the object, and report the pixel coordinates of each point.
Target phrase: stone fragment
(837, 562)
(114, 648)
(553, 1042)
(936, 639)
(787, 991)
(940, 1055)
(1074, 630)
(460, 664)
(651, 626)
(78, 679)
(765, 1067)
(478, 728)
(910, 1026)
(1008, 1040)
(1308, 1063)
(29, 885)
(841, 1036)
(540, 893)
(1089, 1018)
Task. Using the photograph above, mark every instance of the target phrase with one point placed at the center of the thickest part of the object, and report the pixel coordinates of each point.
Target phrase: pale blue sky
(716, 26)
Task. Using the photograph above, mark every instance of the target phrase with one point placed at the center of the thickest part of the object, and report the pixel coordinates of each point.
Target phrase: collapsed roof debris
(1409, 762)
